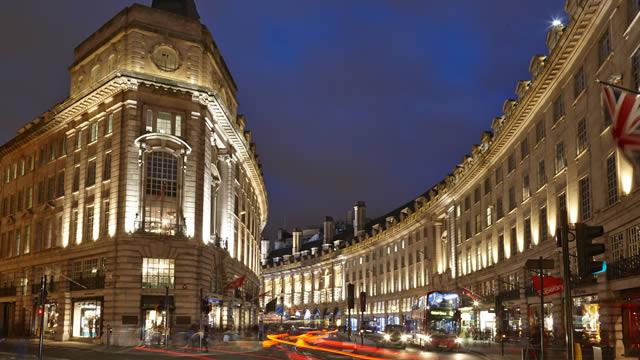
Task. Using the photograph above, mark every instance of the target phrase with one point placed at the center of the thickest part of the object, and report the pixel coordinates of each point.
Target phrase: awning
(151, 302)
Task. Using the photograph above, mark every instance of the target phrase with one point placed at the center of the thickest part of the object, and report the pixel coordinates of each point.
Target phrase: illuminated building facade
(137, 193)
(551, 149)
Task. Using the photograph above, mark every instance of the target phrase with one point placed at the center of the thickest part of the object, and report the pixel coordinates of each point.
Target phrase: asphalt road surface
(284, 347)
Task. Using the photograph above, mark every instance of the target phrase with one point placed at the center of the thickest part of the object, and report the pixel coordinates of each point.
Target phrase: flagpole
(617, 87)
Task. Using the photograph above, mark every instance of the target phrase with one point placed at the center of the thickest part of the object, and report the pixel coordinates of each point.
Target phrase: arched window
(161, 193)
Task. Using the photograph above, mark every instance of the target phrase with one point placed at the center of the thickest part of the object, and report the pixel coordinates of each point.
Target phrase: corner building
(135, 195)
(551, 149)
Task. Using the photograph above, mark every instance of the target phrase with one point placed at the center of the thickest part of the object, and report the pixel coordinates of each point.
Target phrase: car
(440, 341)
(395, 335)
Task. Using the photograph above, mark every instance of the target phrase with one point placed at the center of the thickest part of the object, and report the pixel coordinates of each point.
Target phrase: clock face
(166, 58)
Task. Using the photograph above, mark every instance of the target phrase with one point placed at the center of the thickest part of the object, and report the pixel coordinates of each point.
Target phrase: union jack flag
(624, 107)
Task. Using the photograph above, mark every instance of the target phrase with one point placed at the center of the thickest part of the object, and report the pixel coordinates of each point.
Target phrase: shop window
(586, 318)
(87, 318)
(157, 273)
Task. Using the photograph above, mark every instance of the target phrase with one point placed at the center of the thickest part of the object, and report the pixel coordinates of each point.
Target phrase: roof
(185, 8)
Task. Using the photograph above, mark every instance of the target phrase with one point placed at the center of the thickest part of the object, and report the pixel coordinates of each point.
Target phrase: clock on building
(165, 57)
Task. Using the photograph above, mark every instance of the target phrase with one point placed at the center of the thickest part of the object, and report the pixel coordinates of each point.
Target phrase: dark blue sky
(347, 100)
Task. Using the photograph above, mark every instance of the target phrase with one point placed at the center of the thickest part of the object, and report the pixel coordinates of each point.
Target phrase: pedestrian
(205, 338)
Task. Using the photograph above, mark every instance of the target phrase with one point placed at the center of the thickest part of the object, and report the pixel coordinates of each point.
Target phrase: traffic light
(587, 249)
(363, 301)
(351, 296)
(204, 306)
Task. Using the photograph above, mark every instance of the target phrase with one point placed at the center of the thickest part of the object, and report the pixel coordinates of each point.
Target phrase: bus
(440, 328)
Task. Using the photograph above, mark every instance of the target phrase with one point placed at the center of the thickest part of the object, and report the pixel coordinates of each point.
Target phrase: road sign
(537, 264)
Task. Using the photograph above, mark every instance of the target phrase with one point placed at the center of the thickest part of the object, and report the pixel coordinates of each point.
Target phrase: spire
(180, 7)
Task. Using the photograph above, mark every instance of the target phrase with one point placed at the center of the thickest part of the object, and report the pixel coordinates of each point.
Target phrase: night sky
(347, 100)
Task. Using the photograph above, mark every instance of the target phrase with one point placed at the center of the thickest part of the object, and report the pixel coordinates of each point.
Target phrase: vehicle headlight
(458, 340)
(404, 337)
(387, 337)
(427, 338)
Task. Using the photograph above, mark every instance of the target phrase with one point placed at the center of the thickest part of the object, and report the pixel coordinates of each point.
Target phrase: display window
(586, 319)
(534, 318)
(87, 318)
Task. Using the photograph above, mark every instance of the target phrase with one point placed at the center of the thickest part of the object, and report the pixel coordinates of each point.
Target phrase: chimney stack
(264, 248)
(329, 228)
(297, 234)
(358, 217)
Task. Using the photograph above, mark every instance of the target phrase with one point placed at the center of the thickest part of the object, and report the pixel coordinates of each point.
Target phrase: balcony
(88, 283)
(624, 268)
(510, 294)
(51, 286)
(158, 227)
(8, 291)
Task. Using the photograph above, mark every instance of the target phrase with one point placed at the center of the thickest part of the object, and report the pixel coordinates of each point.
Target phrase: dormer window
(163, 122)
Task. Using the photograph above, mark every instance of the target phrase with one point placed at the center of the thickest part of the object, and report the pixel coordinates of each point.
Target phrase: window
(612, 180)
(578, 83)
(561, 161)
(78, 139)
(524, 148)
(478, 223)
(157, 273)
(562, 204)
(178, 126)
(558, 109)
(149, 124)
(526, 192)
(512, 198)
(582, 140)
(41, 192)
(489, 251)
(511, 163)
(634, 241)
(467, 230)
(162, 174)
(604, 47)
(26, 239)
(106, 169)
(476, 195)
(108, 126)
(585, 198)
(487, 185)
(467, 203)
(88, 223)
(617, 246)
(489, 216)
(76, 179)
(60, 184)
(500, 247)
(499, 210)
(539, 131)
(29, 198)
(164, 123)
(22, 167)
(542, 222)
(527, 233)
(93, 132)
(542, 175)
(498, 175)
(91, 173)
(514, 241)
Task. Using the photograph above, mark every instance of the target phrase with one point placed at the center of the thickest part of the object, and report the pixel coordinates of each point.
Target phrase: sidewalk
(512, 351)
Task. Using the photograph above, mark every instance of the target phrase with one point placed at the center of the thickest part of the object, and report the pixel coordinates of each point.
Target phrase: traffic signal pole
(566, 274)
(43, 299)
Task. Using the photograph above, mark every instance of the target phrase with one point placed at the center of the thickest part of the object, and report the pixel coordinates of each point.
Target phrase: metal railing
(51, 286)
(8, 291)
(624, 267)
(88, 283)
(159, 227)
(513, 294)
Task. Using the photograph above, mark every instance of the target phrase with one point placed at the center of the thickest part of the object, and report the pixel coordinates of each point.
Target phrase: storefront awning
(151, 302)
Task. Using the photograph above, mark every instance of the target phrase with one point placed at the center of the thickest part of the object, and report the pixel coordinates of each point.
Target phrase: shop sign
(441, 313)
(552, 285)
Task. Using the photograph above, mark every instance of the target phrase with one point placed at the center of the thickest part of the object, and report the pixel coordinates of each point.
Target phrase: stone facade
(138, 195)
(551, 149)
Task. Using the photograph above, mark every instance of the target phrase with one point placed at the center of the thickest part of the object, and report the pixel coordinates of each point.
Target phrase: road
(304, 347)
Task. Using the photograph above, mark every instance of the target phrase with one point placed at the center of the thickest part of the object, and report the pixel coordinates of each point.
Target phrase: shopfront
(586, 319)
(487, 325)
(155, 319)
(534, 319)
(86, 318)
(631, 324)
(51, 319)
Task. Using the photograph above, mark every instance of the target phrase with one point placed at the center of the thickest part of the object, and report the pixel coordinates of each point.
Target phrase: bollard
(597, 353)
